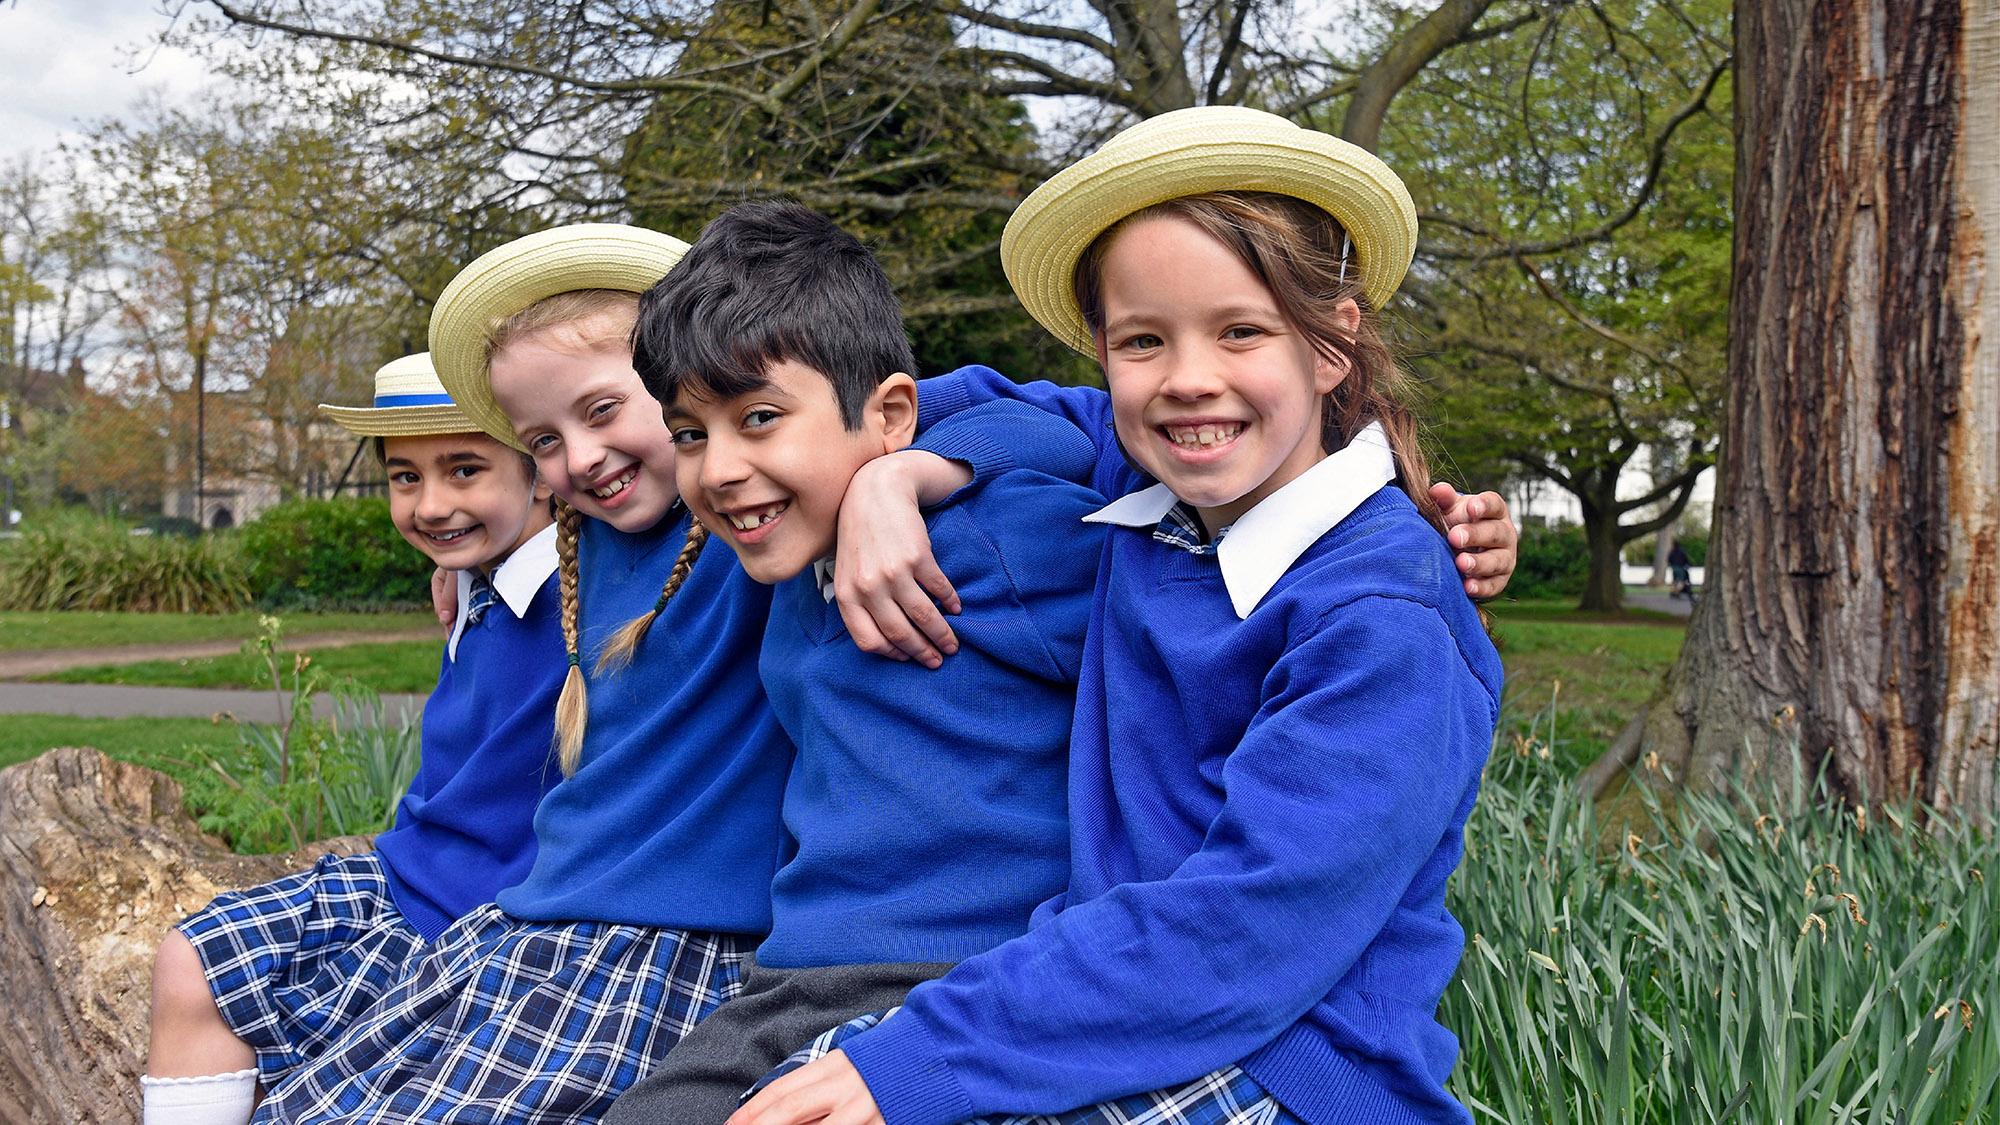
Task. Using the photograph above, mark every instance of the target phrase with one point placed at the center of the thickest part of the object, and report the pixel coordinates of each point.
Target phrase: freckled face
(595, 433)
(1213, 390)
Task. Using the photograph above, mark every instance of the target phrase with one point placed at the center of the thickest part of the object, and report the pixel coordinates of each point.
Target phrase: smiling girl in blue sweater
(1286, 697)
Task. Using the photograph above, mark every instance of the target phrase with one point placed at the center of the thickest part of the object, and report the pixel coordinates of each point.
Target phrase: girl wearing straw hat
(657, 848)
(1287, 697)
(252, 986)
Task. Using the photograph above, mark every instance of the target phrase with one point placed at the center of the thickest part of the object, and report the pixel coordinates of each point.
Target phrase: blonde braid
(618, 651)
(572, 710)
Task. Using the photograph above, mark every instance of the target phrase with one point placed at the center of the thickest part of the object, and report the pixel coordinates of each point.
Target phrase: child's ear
(1330, 371)
(894, 407)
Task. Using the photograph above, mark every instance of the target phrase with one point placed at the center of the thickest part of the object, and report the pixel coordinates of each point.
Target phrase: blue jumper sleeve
(1086, 408)
(1343, 787)
(1000, 436)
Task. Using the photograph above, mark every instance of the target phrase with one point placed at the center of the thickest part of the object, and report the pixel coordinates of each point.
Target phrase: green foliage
(897, 145)
(74, 561)
(1773, 956)
(1567, 342)
(281, 786)
(341, 553)
(1552, 562)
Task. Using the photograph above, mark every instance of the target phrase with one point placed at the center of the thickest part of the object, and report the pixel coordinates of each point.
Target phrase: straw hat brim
(400, 421)
(1191, 152)
(506, 280)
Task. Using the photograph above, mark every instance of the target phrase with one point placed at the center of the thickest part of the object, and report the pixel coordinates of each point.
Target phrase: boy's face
(581, 411)
(463, 499)
(766, 471)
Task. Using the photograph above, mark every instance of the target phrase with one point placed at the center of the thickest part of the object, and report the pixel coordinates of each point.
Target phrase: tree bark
(97, 862)
(1854, 572)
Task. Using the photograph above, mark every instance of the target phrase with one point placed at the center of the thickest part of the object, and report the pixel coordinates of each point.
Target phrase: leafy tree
(1564, 348)
(246, 276)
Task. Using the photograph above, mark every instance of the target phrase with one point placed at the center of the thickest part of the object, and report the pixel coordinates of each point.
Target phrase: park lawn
(147, 741)
(20, 632)
(401, 666)
(1593, 673)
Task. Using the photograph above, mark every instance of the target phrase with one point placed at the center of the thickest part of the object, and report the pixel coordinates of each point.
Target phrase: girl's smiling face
(595, 433)
(1214, 392)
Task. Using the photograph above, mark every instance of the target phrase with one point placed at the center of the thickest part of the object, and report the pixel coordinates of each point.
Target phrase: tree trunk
(1663, 547)
(97, 861)
(1604, 590)
(1854, 572)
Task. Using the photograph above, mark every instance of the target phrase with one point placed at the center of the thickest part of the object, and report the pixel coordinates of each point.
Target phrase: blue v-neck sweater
(926, 806)
(672, 816)
(1264, 813)
(465, 828)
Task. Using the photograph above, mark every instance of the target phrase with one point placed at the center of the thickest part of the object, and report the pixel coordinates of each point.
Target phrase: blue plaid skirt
(1224, 1097)
(293, 962)
(503, 1020)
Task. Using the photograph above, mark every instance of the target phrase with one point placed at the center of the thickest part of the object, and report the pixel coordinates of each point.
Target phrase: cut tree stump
(97, 861)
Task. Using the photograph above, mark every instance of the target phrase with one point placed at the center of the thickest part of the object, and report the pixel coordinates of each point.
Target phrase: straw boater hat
(409, 402)
(1189, 152)
(505, 280)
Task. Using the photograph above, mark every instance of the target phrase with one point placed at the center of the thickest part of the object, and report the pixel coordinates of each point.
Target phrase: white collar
(823, 574)
(516, 580)
(1265, 541)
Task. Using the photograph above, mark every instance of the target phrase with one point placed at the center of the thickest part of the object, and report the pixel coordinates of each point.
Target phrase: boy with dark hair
(918, 834)
(259, 981)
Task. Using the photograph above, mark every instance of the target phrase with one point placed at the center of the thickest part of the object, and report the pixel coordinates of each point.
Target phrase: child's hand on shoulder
(1482, 537)
(444, 597)
(827, 1089)
(891, 593)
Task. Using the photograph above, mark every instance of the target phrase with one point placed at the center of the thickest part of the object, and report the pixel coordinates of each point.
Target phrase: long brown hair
(1301, 255)
(588, 312)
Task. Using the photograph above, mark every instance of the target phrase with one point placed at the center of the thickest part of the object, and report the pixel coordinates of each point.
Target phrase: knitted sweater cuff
(907, 1075)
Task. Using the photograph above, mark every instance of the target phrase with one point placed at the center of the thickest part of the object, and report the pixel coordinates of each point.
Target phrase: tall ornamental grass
(85, 563)
(1776, 958)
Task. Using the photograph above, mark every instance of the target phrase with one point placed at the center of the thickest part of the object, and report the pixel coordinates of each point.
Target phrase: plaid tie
(479, 599)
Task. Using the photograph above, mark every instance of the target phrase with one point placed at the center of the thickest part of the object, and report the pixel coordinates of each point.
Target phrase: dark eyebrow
(465, 457)
(387, 462)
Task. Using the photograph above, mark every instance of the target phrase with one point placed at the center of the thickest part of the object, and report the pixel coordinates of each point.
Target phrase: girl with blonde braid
(657, 849)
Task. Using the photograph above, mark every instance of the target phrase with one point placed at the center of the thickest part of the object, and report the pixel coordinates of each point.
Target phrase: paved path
(28, 663)
(124, 701)
(1659, 601)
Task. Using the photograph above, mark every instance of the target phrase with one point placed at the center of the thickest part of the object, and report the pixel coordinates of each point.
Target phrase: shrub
(281, 786)
(333, 554)
(74, 561)
(1553, 562)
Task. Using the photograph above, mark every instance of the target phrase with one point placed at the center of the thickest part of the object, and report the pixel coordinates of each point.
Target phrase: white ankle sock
(213, 1099)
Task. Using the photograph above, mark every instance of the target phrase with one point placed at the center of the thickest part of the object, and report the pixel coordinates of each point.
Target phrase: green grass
(1596, 671)
(146, 741)
(20, 632)
(404, 666)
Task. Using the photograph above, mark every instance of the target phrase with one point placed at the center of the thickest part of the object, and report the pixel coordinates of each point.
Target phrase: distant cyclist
(1683, 586)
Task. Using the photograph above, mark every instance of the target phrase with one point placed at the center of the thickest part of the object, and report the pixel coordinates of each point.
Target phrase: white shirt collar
(1265, 541)
(516, 580)
(823, 574)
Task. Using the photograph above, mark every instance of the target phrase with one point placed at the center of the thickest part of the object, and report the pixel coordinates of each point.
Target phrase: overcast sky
(63, 62)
